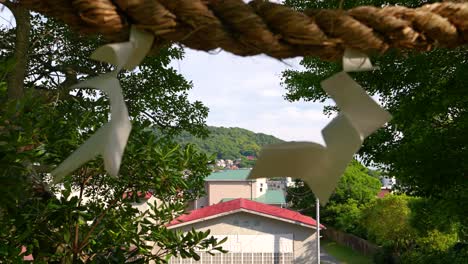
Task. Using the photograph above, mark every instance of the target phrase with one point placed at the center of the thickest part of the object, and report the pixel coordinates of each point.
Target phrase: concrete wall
(202, 202)
(249, 224)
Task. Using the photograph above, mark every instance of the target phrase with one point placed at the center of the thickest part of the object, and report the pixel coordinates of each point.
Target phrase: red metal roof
(248, 205)
(384, 192)
(141, 195)
(28, 257)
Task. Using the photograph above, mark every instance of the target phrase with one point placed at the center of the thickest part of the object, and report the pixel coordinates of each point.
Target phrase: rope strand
(264, 27)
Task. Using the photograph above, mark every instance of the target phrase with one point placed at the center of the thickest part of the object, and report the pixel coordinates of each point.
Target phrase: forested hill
(230, 142)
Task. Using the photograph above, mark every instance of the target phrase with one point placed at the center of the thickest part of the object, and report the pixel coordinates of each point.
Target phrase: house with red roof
(256, 232)
(384, 191)
(226, 185)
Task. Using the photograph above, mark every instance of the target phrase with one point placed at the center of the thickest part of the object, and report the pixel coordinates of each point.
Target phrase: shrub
(457, 254)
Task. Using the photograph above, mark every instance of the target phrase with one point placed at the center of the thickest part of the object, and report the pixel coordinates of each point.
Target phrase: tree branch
(96, 223)
(15, 80)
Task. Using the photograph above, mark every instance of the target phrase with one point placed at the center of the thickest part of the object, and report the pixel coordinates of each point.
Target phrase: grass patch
(345, 254)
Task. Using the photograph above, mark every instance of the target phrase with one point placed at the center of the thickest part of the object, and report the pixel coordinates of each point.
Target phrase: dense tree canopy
(355, 189)
(59, 58)
(89, 218)
(230, 143)
(425, 145)
(394, 222)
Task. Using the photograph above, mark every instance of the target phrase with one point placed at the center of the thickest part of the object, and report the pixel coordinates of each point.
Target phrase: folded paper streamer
(109, 140)
(322, 166)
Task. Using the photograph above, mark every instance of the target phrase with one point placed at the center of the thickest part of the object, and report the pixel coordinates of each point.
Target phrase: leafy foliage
(91, 217)
(230, 143)
(346, 216)
(335, 4)
(155, 93)
(355, 189)
(424, 145)
(389, 222)
(457, 254)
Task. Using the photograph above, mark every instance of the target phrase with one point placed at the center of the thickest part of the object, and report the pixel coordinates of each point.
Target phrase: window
(261, 189)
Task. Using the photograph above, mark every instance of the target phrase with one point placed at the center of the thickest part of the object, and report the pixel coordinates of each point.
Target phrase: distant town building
(388, 182)
(220, 163)
(229, 162)
(256, 233)
(384, 191)
(281, 184)
(227, 185)
(387, 185)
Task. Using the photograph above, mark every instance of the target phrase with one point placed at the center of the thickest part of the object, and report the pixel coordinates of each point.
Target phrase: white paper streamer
(322, 166)
(354, 61)
(109, 140)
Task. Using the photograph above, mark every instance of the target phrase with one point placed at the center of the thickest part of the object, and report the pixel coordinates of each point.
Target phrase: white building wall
(261, 187)
(247, 224)
(281, 184)
(388, 182)
(269, 243)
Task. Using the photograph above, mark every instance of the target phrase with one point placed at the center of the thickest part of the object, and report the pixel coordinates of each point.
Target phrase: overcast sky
(246, 93)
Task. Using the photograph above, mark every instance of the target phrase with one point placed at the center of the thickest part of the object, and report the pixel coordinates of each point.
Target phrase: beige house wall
(243, 223)
(218, 190)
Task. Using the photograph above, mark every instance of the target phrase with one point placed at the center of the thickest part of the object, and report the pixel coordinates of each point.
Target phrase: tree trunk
(15, 79)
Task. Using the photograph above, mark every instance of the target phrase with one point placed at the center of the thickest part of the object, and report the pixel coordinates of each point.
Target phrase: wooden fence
(352, 241)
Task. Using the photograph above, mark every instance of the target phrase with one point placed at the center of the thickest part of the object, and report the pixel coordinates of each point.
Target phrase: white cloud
(246, 92)
(270, 92)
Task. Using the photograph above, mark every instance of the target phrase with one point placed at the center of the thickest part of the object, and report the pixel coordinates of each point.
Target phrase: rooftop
(244, 205)
(270, 197)
(229, 175)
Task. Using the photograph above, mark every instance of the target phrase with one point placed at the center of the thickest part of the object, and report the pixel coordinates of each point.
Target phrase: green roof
(229, 175)
(228, 199)
(270, 197)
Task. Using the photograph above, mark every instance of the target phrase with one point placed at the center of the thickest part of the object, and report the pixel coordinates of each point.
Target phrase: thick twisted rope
(264, 27)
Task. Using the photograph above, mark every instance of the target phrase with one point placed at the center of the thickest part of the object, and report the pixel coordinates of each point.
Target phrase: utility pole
(317, 219)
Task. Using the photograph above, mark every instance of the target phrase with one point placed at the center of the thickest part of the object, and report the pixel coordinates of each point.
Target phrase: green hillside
(230, 142)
